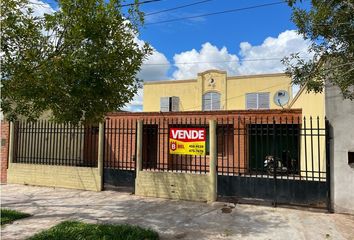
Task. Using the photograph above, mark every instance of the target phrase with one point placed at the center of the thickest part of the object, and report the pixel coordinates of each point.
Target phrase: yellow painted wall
(55, 176)
(237, 87)
(312, 105)
(185, 90)
(232, 89)
(185, 186)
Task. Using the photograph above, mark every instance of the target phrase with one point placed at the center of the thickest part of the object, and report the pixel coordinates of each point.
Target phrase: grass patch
(72, 230)
(8, 215)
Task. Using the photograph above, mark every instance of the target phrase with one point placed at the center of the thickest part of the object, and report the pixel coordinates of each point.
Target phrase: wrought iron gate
(281, 160)
(119, 154)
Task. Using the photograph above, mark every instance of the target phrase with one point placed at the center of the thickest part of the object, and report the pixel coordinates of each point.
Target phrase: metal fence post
(139, 147)
(275, 165)
(328, 166)
(100, 153)
(11, 143)
(213, 160)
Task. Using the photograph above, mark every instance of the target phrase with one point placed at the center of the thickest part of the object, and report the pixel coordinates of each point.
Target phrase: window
(169, 104)
(211, 101)
(257, 100)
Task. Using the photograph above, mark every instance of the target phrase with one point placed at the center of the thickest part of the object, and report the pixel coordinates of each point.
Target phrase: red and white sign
(189, 141)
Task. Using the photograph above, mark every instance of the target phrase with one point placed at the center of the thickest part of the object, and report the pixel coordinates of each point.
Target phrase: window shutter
(207, 102)
(211, 101)
(174, 104)
(215, 104)
(263, 100)
(251, 101)
(164, 104)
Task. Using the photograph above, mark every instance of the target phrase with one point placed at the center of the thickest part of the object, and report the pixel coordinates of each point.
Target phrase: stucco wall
(340, 114)
(55, 176)
(313, 106)
(195, 187)
(237, 87)
(232, 89)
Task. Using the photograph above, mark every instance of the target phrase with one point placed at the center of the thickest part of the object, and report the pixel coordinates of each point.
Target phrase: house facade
(215, 90)
(243, 126)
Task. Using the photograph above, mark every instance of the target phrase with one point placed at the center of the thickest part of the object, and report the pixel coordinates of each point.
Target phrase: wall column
(100, 153)
(139, 147)
(213, 161)
(11, 143)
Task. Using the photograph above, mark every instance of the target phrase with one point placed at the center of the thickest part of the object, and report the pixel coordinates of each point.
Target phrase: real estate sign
(187, 141)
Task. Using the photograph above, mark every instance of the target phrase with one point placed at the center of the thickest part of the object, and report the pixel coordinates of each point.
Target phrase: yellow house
(214, 90)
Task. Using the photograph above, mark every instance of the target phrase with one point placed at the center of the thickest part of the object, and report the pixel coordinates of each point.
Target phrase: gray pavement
(170, 218)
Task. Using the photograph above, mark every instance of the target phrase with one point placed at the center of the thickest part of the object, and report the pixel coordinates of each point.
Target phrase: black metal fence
(287, 147)
(120, 144)
(156, 152)
(119, 154)
(48, 143)
(282, 159)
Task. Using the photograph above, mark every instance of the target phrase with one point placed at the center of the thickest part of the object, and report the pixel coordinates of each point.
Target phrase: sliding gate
(119, 154)
(281, 160)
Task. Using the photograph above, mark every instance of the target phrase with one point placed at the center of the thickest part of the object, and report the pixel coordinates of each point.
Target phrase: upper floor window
(211, 101)
(257, 100)
(169, 104)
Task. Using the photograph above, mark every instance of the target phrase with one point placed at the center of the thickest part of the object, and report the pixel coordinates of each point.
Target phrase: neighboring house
(340, 114)
(214, 90)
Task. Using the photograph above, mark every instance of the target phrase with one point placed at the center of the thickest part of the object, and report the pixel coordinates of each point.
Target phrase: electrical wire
(217, 13)
(140, 3)
(206, 62)
(178, 7)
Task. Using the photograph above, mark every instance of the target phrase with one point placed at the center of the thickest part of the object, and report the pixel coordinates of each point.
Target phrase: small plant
(72, 230)
(8, 216)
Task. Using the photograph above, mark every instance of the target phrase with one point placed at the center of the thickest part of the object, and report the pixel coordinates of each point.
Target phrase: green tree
(329, 25)
(79, 62)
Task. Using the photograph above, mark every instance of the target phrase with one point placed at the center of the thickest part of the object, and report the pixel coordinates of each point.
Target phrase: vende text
(188, 134)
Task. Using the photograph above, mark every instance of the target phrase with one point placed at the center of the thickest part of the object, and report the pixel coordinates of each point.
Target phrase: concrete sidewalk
(171, 219)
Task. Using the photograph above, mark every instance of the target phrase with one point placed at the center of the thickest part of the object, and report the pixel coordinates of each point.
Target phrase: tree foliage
(329, 25)
(79, 62)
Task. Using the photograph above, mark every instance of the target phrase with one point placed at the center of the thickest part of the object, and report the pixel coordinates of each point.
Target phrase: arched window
(211, 101)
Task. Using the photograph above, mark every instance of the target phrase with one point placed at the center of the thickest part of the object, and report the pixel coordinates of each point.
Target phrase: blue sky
(228, 29)
(250, 41)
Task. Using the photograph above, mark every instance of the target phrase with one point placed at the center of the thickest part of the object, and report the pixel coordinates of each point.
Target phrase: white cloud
(155, 67)
(286, 43)
(40, 8)
(209, 57)
(136, 105)
(250, 60)
(212, 57)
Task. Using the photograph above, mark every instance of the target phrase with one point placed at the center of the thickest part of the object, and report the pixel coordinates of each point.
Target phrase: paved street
(172, 219)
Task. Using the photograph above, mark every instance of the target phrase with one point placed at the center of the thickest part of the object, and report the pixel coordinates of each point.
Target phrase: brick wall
(4, 150)
(233, 158)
